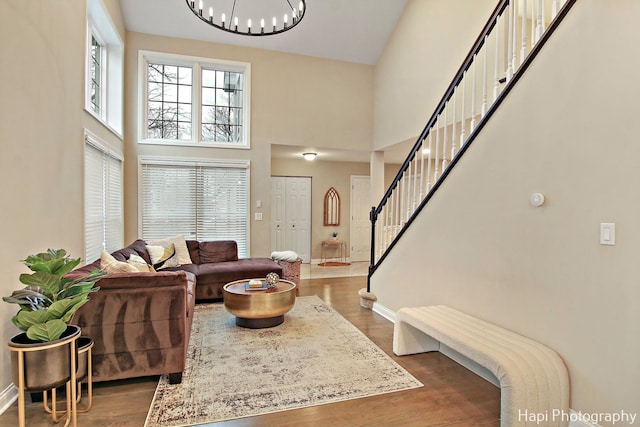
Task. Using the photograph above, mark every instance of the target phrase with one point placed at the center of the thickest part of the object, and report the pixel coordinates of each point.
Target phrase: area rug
(315, 357)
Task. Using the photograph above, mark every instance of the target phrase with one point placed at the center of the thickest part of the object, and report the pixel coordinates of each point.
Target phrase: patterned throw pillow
(163, 256)
(110, 265)
(139, 263)
(182, 251)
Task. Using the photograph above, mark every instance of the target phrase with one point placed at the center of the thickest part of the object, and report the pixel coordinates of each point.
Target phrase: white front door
(360, 234)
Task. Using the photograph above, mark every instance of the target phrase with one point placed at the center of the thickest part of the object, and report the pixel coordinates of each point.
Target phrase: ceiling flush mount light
(223, 15)
(309, 156)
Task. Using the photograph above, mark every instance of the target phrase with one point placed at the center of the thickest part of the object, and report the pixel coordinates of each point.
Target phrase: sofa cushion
(140, 246)
(194, 252)
(218, 251)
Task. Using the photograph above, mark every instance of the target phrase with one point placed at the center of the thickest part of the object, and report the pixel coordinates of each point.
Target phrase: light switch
(258, 216)
(258, 204)
(608, 233)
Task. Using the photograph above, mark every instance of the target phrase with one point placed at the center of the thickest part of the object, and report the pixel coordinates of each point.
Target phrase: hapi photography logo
(557, 415)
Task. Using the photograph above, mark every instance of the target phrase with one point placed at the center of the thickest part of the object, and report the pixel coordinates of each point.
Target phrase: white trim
(102, 145)
(197, 64)
(193, 161)
(8, 397)
(383, 311)
(100, 25)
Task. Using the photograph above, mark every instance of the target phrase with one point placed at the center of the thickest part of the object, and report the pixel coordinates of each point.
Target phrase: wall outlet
(258, 216)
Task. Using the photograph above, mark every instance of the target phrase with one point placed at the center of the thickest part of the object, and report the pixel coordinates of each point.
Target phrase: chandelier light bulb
(200, 7)
(210, 14)
(249, 24)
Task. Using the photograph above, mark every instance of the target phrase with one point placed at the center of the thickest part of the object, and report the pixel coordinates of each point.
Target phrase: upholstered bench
(533, 378)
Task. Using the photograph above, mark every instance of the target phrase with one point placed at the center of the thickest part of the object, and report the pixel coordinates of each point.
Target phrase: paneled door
(291, 215)
(360, 227)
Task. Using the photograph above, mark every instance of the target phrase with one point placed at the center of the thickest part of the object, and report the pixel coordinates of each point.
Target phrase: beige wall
(41, 137)
(324, 175)
(295, 100)
(570, 131)
(426, 49)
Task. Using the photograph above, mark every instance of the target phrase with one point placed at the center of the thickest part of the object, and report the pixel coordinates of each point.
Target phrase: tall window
(202, 200)
(194, 101)
(104, 63)
(103, 218)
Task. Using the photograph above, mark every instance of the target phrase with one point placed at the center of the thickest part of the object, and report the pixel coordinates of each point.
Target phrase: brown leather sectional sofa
(141, 322)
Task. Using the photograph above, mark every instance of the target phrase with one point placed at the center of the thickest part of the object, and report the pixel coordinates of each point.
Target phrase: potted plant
(334, 235)
(47, 304)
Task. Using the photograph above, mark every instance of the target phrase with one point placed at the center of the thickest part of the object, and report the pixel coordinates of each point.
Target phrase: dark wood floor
(451, 396)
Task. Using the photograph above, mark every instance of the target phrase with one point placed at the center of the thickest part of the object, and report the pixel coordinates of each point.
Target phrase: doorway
(291, 215)
(360, 227)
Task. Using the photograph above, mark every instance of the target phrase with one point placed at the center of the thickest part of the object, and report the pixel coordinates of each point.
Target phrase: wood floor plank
(452, 395)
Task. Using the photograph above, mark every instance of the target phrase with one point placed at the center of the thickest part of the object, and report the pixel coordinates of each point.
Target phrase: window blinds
(202, 201)
(104, 225)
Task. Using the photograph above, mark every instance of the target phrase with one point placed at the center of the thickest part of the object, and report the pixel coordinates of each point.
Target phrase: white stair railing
(497, 56)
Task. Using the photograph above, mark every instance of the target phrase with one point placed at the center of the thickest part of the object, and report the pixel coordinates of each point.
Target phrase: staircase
(507, 45)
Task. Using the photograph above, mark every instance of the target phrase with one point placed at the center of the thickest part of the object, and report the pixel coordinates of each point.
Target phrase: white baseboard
(383, 311)
(7, 397)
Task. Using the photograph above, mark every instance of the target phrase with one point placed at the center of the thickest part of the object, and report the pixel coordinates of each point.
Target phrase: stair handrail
(510, 79)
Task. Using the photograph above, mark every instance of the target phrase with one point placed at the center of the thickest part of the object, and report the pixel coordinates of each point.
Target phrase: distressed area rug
(315, 357)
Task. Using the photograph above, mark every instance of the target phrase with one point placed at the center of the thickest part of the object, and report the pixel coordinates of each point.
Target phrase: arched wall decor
(332, 207)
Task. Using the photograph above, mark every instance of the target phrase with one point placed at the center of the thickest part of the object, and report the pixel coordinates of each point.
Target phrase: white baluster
(510, 43)
(417, 191)
(422, 177)
(533, 23)
(555, 8)
(463, 125)
(444, 140)
(484, 77)
(454, 140)
(429, 160)
(523, 50)
(436, 173)
(539, 20)
(473, 95)
(496, 86)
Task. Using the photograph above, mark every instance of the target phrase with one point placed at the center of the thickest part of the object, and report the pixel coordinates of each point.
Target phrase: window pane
(208, 78)
(184, 76)
(170, 93)
(169, 103)
(208, 96)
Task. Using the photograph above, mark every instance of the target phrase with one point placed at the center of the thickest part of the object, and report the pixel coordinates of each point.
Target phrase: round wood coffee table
(259, 308)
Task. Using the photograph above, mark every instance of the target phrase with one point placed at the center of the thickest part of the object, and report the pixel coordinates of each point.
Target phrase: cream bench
(534, 381)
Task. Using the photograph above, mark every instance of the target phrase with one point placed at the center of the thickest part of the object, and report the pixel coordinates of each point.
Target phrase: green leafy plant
(49, 301)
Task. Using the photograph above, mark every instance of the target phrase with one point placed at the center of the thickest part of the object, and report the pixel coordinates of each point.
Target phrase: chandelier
(224, 16)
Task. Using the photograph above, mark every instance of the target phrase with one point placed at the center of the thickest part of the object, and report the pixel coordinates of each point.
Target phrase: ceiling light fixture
(309, 156)
(283, 17)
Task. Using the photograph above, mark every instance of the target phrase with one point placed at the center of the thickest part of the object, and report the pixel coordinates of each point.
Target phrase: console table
(342, 253)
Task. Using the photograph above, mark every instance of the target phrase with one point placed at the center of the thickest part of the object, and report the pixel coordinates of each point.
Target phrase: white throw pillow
(289, 256)
(179, 243)
(110, 265)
